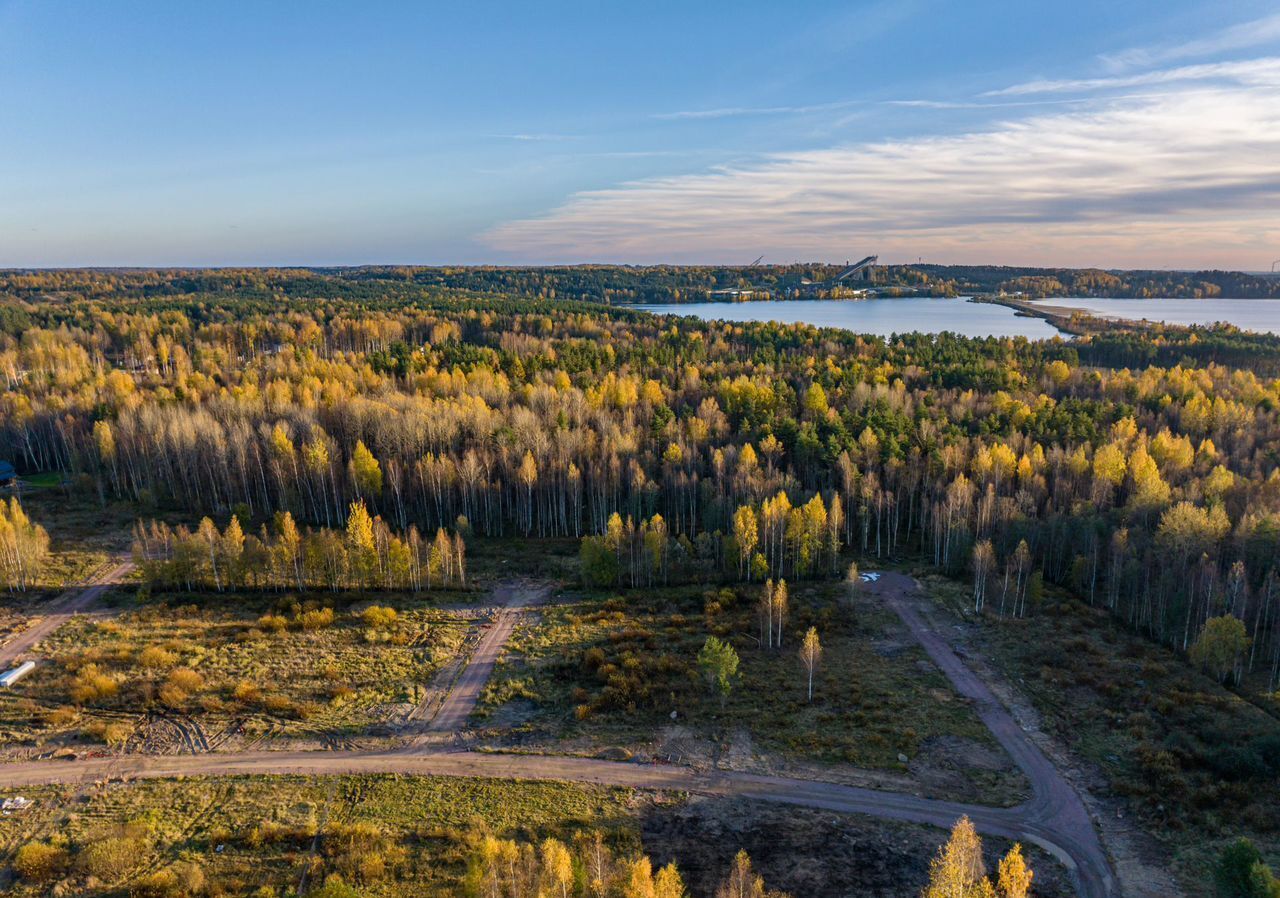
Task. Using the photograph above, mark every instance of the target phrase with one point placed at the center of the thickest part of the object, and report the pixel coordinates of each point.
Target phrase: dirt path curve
(1010, 823)
(61, 610)
(511, 598)
(1055, 803)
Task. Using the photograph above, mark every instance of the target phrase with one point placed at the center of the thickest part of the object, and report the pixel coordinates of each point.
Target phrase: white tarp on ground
(13, 676)
(869, 577)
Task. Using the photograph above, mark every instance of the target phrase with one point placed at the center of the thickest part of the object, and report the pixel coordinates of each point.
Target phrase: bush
(1268, 748)
(153, 657)
(316, 619)
(41, 862)
(273, 623)
(92, 685)
(1235, 764)
(61, 716)
(111, 859)
(334, 887)
(179, 686)
(178, 881)
(186, 679)
(112, 733)
(378, 617)
(161, 884)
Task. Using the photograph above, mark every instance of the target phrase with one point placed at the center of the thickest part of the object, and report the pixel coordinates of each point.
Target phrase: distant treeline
(1095, 282)
(618, 284)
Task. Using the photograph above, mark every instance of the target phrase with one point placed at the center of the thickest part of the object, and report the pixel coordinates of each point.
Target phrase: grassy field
(611, 669)
(406, 837)
(1198, 763)
(294, 666)
(402, 836)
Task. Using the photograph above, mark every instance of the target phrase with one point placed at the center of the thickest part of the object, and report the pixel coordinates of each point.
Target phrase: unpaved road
(1054, 819)
(1055, 805)
(1010, 823)
(462, 699)
(67, 606)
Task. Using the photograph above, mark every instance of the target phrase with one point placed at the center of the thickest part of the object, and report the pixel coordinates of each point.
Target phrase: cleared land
(1053, 819)
(230, 670)
(606, 672)
(410, 835)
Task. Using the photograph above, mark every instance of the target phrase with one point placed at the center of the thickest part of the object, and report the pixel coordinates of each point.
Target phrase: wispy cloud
(1188, 176)
(1243, 36)
(971, 104)
(1264, 71)
(744, 111)
(540, 138)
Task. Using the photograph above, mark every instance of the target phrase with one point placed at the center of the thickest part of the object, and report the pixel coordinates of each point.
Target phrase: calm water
(1261, 315)
(875, 316)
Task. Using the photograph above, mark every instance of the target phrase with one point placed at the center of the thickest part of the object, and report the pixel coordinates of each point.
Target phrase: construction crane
(759, 259)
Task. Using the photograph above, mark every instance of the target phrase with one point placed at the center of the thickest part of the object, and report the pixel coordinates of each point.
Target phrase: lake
(1262, 315)
(882, 317)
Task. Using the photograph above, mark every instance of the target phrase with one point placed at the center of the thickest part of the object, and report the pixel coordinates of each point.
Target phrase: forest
(679, 450)
(616, 284)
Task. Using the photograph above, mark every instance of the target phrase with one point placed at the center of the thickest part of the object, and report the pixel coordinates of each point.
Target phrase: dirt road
(1054, 819)
(1055, 807)
(1010, 823)
(511, 598)
(65, 607)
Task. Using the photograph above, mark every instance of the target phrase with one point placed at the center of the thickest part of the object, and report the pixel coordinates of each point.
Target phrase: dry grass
(298, 665)
(245, 833)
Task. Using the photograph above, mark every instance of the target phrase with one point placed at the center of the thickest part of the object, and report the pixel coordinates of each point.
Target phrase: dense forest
(1140, 470)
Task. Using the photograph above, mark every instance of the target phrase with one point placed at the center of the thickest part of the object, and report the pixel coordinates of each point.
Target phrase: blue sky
(1083, 133)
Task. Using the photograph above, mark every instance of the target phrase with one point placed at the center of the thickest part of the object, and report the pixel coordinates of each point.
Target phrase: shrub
(92, 685)
(378, 617)
(178, 881)
(111, 859)
(160, 884)
(334, 887)
(179, 686)
(41, 862)
(1234, 763)
(186, 679)
(112, 733)
(273, 623)
(316, 619)
(153, 657)
(246, 692)
(61, 716)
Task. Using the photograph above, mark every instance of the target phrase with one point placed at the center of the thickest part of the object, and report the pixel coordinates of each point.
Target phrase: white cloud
(1186, 178)
(1243, 36)
(1262, 72)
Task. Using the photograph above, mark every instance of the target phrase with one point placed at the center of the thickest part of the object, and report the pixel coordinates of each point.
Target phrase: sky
(1113, 134)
